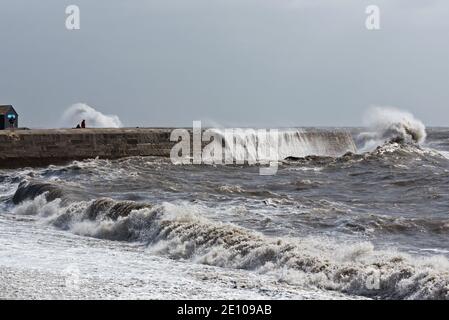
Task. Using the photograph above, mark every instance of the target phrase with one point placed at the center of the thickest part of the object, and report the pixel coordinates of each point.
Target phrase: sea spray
(94, 118)
(263, 145)
(386, 124)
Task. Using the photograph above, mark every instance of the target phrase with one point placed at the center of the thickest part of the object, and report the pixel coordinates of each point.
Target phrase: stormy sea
(372, 223)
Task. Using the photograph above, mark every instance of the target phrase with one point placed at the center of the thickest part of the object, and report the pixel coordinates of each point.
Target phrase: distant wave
(94, 118)
(392, 152)
(387, 124)
(179, 231)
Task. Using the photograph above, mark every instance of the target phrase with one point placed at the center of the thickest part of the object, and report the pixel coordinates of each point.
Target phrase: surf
(179, 231)
(390, 124)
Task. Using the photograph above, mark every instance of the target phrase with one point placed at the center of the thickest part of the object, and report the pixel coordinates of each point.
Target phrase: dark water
(337, 223)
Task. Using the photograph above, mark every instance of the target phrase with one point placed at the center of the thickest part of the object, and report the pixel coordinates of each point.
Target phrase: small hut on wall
(9, 118)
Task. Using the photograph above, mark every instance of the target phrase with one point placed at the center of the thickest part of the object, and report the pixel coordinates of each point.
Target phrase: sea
(372, 223)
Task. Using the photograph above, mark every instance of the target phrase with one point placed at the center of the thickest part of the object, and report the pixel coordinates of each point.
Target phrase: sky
(272, 63)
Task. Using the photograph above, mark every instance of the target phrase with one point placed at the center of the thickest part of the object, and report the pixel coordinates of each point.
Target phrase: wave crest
(388, 124)
(180, 232)
(28, 190)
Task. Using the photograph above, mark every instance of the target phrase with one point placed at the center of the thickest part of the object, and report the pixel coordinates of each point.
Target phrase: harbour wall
(40, 147)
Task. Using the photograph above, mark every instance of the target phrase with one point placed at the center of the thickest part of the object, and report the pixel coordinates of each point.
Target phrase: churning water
(372, 224)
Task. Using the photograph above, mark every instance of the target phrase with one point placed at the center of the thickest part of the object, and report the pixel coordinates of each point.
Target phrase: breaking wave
(389, 152)
(388, 124)
(180, 231)
(276, 144)
(28, 190)
(94, 118)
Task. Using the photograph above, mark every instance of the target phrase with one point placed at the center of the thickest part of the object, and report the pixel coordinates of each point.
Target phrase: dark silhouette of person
(83, 124)
(78, 126)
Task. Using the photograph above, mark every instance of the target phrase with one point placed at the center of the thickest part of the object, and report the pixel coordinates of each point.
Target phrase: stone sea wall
(42, 147)
(21, 148)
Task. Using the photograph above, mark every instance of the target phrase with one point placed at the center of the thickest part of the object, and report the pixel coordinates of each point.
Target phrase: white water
(273, 145)
(183, 233)
(42, 262)
(387, 123)
(94, 118)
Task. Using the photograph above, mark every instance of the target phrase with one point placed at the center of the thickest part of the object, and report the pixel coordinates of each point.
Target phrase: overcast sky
(229, 62)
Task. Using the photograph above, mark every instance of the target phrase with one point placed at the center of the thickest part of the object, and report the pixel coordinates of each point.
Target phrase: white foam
(182, 231)
(39, 206)
(45, 263)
